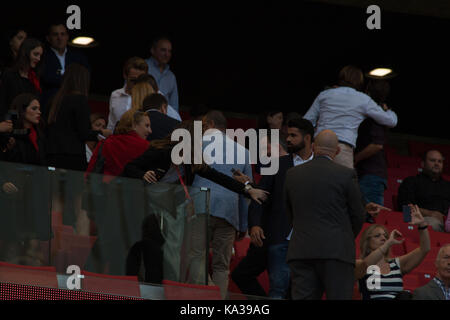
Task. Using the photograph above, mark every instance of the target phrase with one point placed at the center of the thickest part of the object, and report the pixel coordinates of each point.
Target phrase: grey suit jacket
(430, 291)
(323, 204)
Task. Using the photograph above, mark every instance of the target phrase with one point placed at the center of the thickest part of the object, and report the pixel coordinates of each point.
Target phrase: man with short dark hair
(269, 227)
(158, 67)
(439, 287)
(171, 112)
(428, 190)
(155, 105)
(56, 59)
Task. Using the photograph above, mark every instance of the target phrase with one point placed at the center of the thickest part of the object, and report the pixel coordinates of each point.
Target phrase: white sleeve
(111, 118)
(384, 118)
(313, 112)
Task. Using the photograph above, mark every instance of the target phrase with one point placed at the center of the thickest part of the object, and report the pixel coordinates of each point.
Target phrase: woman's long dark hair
(20, 105)
(23, 56)
(76, 80)
(7, 56)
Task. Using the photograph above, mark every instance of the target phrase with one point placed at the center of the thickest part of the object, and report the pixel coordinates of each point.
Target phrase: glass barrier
(108, 235)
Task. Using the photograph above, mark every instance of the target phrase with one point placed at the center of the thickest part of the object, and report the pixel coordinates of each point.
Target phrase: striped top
(391, 284)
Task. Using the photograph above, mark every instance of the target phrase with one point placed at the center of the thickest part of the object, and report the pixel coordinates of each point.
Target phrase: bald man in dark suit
(323, 203)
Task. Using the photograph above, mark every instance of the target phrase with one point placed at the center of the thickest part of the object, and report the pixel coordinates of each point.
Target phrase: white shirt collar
(57, 53)
(298, 160)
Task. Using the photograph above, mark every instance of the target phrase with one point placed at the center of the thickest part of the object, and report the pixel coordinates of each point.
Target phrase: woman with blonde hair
(375, 255)
(156, 164)
(138, 93)
(119, 149)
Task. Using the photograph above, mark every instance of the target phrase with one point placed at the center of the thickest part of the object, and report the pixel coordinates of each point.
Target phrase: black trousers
(251, 266)
(311, 278)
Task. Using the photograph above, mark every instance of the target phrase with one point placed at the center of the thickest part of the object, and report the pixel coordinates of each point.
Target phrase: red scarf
(33, 138)
(34, 80)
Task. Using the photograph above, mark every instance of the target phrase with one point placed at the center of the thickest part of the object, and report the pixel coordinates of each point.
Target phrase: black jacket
(68, 135)
(51, 76)
(323, 203)
(153, 159)
(13, 84)
(271, 216)
(162, 125)
(23, 152)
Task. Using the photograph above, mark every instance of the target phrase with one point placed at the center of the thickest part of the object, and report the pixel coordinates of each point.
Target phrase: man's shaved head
(326, 144)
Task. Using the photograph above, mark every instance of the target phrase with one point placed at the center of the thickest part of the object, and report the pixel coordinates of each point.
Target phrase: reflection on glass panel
(125, 227)
(119, 237)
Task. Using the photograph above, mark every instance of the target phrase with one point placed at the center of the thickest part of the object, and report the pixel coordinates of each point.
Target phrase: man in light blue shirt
(228, 209)
(342, 109)
(158, 67)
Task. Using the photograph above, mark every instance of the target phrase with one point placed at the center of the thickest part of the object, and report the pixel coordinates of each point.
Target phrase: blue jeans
(278, 269)
(373, 188)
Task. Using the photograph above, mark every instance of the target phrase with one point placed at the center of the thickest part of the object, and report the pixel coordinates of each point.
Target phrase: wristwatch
(248, 187)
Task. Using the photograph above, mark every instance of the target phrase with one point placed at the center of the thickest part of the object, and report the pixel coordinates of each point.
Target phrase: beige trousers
(345, 157)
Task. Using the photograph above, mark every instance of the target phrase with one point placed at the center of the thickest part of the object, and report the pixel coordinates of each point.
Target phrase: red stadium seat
(427, 266)
(241, 248)
(394, 219)
(438, 239)
(109, 284)
(182, 291)
(356, 293)
(414, 163)
(28, 275)
(411, 282)
(382, 217)
(409, 232)
(424, 277)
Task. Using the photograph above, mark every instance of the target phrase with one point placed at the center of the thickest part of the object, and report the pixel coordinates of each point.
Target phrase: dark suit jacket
(153, 159)
(12, 84)
(271, 216)
(323, 203)
(51, 76)
(162, 125)
(24, 151)
(430, 291)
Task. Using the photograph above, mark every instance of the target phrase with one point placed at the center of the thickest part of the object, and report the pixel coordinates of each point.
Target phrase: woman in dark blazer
(68, 129)
(69, 124)
(25, 214)
(24, 76)
(156, 164)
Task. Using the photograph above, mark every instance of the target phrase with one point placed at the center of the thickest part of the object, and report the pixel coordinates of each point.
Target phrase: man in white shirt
(120, 101)
(343, 108)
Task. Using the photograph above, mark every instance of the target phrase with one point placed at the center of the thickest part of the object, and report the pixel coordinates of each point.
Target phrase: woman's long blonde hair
(167, 143)
(364, 242)
(138, 93)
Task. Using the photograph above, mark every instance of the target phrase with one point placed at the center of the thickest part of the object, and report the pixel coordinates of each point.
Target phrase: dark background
(246, 58)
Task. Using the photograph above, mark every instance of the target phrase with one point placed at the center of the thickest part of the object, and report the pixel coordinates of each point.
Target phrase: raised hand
(416, 216)
(395, 237)
(374, 209)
